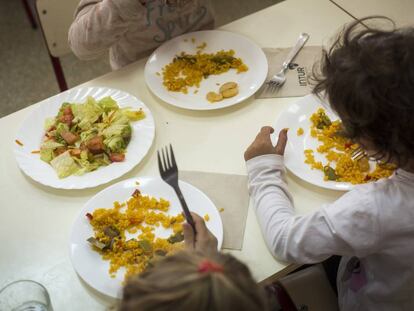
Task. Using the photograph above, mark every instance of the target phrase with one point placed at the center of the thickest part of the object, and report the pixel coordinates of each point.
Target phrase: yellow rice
(140, 215)
(188, 70)
(337, 151)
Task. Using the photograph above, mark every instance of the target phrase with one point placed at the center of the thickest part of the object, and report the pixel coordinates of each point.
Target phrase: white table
(401, 11)
(35, 220)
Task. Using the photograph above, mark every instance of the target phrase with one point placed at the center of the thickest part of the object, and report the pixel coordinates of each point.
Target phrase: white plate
(32, 131)
(295, 116)
(91, 267)
(249, 81)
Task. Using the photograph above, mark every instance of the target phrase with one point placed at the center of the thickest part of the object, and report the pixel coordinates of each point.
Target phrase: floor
(27, 76)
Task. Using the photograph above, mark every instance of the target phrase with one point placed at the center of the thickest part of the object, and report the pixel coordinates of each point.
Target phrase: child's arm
(347, 227)
(99, 24)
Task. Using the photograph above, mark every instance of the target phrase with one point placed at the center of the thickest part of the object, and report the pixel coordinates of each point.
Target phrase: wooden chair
(55, 18)
(308, 289)
(28, 9)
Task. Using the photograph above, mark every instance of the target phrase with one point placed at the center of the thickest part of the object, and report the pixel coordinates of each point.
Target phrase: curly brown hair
(175, 283)
(368, 78)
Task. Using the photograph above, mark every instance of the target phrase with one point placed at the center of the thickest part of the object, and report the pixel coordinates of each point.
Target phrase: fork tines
(358, 154)
(168, 161)
(272, 86)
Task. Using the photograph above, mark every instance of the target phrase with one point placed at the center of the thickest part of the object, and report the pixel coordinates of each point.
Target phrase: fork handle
(186, 211)
(295, 50)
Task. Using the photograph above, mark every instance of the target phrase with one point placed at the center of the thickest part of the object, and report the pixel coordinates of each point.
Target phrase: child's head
(368, 77)
(189, 281)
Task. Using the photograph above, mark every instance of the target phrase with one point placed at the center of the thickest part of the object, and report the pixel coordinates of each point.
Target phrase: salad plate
(29, 146)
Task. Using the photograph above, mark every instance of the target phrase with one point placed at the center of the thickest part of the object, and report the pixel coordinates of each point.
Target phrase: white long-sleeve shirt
(372, 225)
(130, 30)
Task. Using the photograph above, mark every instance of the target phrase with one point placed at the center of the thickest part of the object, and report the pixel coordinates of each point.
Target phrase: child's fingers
(266, 130)
(205, 240)
(263, 137)
(188, 236)
(196, 217)
(203, 234)
(200, 224)
(262, 144)
(281, 142)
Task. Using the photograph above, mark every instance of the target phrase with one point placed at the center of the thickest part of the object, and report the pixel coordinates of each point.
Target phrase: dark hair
(368, 77)
(175, 283)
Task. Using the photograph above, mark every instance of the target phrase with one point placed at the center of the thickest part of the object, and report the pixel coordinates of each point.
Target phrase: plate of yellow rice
(182, 71)
(128, 226)
(318, 153)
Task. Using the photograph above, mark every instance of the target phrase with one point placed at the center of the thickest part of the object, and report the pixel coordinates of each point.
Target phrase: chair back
(310, 290)
(55, 17)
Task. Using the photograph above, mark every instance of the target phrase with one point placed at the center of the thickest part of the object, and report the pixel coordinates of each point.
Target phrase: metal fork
(278, 79)
(358, 154)
(169, 173)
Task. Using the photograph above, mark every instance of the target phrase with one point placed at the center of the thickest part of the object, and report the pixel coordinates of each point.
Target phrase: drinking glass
(25, 295)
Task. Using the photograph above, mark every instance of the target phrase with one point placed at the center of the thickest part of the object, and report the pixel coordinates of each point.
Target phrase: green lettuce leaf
(50, 144)
(115, 143)
(114, 130)
(102, 159)
(88, 134)
(127, 133)
(118, 126)
(46, 155)
(133, 115)
(86, 114)
(47, 148)
(62, 108)
(86, 166)
(119, 118)
(64, 165)
(49, 122)
(60, 128)
(108, 104)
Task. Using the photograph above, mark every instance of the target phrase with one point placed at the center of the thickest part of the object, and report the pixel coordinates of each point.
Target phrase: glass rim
(28, 281)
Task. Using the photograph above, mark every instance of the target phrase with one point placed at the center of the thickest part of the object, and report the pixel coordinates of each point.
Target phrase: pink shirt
(131, 30)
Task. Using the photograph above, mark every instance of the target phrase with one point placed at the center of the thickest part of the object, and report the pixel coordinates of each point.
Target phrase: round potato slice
(213, 97)
(227, 86)
(230, 92)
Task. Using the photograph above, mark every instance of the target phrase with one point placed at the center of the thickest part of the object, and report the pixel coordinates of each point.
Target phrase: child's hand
(263, 145)
(203, 241)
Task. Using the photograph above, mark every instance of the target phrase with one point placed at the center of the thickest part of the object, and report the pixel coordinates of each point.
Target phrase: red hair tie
(209, 266)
